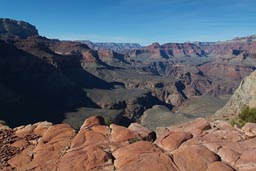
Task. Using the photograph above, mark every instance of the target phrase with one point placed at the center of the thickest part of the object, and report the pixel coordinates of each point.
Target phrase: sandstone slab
(193, 158)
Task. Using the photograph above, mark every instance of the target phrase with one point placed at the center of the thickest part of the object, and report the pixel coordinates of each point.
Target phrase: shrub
(133, 140)
(107, 121)
(248, 114)
(239, 122)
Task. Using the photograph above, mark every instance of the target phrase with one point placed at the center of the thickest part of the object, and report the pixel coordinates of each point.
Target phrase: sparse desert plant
(133, 140)
(247, 114)
(107, 121)
(239, 122)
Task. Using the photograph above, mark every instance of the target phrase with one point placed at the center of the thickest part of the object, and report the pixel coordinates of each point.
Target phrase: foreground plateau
(196, 145)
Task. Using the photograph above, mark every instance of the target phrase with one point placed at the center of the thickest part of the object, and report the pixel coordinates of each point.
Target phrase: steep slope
(244, 95)
(36, 89)
(16, 29)
(41, 79)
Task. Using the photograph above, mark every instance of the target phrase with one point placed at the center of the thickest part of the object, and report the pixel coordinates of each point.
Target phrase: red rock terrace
(194, 146)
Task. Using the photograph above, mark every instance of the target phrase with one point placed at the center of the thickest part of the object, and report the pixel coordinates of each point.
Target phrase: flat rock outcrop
(196, 145)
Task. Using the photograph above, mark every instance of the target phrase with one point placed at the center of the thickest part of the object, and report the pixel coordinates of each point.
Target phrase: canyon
(81, 105)
(64, 81)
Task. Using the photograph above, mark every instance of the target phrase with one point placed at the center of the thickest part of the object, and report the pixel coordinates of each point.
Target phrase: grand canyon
(83, 105)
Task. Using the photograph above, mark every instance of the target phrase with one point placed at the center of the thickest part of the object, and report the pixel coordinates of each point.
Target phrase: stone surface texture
(195, 145)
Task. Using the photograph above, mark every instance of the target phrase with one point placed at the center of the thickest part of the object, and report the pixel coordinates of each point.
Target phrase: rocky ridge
(196, 145)
(16, 29)
(244, 95)
(117, 47)
(168, 50)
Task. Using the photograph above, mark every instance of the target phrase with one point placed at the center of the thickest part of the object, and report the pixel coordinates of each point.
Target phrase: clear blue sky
(142, 21)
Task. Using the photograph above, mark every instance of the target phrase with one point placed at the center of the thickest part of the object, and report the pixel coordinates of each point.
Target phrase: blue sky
(141, 21)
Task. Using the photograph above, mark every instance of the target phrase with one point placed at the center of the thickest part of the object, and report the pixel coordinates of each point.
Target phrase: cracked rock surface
(193, 146)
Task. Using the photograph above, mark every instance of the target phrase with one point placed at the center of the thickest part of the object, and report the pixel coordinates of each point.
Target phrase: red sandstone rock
(250, 129)
(142, 131)
(150, 162)
(21, 143)
(3, 125)
(222, 125)
(51, 146)
(87, 137)
(247, 161)
(121, 134)
(41, 127)
(101, 148)
(249, 143)
(196, 127)
(142, 156)
(92, 121)
(90, 158)
(219, 166)
(249, 155)
(23, 131)
(22, 160)
(191, 158)
(173, 140)
(228, 155)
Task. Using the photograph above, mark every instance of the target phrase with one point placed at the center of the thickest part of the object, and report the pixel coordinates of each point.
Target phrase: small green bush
(133, 140)
(239, 122)
(107, 121)
(248, 114)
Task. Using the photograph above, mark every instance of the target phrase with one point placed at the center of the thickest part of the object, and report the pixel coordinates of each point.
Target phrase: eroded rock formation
(16, 29)
(244, 95)
(196, 145)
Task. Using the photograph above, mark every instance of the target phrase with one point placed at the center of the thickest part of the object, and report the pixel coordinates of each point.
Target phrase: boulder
(121, 134)
(195, 127)
(249, 129)
(143, 132)
(41, 127)
(173, 140)
(195, 157)
(24, 131)
(90, 158)
(92, 121)
(141, 156)
(228, 155)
